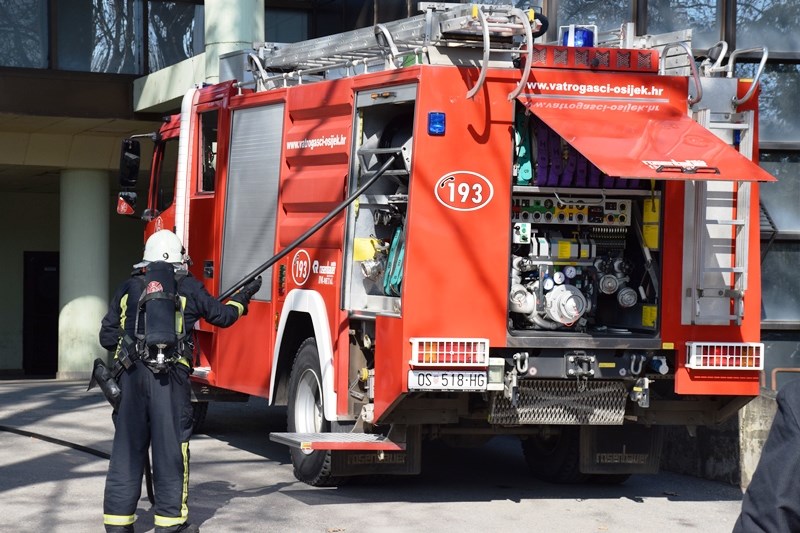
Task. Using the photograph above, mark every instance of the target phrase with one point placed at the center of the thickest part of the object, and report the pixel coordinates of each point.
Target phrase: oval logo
(301, 267)
(463, 190)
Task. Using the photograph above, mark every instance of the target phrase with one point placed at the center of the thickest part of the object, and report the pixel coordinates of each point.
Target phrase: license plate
(446, 380)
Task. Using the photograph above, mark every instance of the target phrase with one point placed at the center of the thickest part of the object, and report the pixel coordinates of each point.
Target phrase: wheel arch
(303, 315)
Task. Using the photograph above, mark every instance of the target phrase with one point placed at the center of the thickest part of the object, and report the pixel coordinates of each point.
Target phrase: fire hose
(315, 228)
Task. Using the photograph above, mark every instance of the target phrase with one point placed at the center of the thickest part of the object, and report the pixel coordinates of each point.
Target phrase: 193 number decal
(464, 190)
(300, 267)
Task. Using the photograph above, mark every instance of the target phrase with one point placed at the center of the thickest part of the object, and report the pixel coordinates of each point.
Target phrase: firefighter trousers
(155, 409)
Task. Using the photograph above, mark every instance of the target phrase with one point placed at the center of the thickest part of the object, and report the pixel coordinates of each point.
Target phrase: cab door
(160, 211)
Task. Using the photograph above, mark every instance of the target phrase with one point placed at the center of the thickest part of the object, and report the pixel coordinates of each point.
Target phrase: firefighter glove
(243, 295)
(251, 287)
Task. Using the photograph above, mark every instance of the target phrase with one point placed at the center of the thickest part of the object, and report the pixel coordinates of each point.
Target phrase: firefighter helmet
(163, 245)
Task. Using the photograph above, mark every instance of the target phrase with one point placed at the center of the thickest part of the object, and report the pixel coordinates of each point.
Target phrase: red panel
(200, 235)
(313, 189)
(242, 353)
(730, 383)
(354, 446)
(596, 59)
(456, 272)
(688, 381)
(634, 126)
(391, 358)
(330, 236)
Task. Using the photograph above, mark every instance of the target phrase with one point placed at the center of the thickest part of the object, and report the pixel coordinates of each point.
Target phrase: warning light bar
(460, 352)
(725, 356)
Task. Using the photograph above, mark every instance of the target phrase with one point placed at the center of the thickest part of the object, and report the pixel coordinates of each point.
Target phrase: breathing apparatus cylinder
(160, 306)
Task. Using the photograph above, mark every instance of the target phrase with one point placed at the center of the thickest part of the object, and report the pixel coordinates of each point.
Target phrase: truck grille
(562, 402)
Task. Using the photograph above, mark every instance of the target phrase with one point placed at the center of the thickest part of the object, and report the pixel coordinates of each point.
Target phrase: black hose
(148, 473)
(53, 440)
(315, 228)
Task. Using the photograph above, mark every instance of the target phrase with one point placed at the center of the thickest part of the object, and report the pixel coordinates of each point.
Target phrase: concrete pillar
(83, 264)
(230, 25)
(755, 421)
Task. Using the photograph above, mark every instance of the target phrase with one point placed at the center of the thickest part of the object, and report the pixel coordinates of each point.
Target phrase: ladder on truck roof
(491, 28)
(484, 29)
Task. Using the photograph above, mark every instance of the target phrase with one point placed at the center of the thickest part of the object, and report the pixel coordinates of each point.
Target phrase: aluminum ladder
(490, 28)
(721, 232)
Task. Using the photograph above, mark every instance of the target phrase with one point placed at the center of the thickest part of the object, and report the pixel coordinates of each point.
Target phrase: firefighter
(771, 503)
(155, 408)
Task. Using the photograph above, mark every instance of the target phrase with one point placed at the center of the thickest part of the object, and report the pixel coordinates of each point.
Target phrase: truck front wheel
(306, 415)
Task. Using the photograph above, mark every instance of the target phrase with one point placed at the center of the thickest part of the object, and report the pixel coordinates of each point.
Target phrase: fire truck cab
(468, 233)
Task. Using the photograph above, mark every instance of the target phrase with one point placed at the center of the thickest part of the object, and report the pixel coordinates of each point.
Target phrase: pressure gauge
(559, 277)
(570, 271)
(548, 284)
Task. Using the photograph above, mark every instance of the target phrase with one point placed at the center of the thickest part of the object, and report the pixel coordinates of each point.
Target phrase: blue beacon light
(436, 123)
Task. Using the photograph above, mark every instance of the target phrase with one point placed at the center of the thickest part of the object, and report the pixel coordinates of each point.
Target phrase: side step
(337, 441)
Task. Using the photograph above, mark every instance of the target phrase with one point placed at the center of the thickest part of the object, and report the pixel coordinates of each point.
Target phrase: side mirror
(129, 163)
(126, 203)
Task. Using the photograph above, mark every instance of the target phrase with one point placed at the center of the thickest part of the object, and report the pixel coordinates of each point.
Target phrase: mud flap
(628, 449)
(370, 462)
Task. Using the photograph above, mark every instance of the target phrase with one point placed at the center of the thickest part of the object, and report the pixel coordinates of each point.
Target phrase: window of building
(175, 31)
(779, 106)
(99, 36)
(609, 15)
(780, 239)
(388, 10)
(704, 17)
(285, 25)
(782, 198)
(779, 287)
(771, 23)
(23, 33)
(335, 16)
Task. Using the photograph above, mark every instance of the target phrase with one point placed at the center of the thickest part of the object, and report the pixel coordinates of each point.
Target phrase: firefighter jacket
(196, 301)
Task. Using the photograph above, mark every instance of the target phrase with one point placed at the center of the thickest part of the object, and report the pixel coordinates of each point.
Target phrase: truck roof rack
(485, 29)
(491, 28)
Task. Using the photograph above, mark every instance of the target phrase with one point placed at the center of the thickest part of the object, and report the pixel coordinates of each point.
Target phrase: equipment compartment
(376, 222)
(584, 261)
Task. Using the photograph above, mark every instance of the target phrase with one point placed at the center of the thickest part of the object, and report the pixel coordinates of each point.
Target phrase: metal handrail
(526, 26)
(732, 61)
(692, 65)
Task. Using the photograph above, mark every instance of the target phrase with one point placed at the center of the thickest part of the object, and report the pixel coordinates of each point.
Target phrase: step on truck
(465, 232)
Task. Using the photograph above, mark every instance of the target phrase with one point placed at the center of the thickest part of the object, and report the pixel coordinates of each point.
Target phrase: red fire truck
(465, 233)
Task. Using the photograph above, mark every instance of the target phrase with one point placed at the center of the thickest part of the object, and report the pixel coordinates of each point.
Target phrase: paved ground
(242, 482)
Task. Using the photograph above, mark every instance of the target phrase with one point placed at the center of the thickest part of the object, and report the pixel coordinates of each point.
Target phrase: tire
(608, 479)
(555, 458)
(305, 414)
(199, 412)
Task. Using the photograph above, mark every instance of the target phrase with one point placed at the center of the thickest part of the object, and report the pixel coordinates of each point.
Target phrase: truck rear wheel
(306, 415)
(556, 457)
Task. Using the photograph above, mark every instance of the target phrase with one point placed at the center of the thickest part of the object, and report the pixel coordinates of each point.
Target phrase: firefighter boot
(119, 529)
(183, 528)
